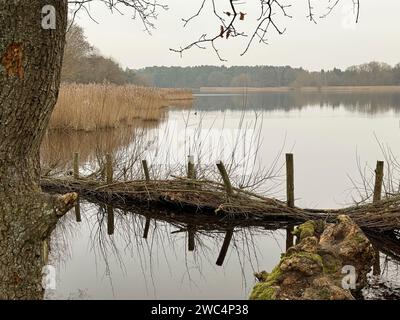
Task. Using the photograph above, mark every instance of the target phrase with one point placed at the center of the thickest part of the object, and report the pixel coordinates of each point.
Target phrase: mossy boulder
(303, 262)
(324, 288)
(266, 288)
(309, 229)
(264, 291)
(312, 269)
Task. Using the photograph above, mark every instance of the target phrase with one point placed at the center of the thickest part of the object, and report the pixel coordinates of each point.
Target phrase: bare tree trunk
(30, 64)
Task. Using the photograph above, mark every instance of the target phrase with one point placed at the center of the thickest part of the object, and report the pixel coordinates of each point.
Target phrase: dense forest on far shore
(84, 64)
(368, 74)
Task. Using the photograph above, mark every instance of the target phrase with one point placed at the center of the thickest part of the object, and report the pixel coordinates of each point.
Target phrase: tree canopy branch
(145, 10)
(270, 12)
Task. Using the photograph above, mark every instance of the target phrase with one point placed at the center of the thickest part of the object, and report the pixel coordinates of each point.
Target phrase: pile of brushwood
(210, 197)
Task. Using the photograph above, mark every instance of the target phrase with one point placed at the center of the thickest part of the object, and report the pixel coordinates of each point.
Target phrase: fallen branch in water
(209, 197)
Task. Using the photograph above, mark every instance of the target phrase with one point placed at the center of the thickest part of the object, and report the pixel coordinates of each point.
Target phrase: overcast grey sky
(334, 42)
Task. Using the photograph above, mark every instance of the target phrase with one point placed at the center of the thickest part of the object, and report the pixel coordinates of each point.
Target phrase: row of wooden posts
(191, 174)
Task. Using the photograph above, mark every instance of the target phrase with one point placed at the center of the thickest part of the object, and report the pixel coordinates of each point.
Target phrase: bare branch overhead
(229, 22)
(145, 10)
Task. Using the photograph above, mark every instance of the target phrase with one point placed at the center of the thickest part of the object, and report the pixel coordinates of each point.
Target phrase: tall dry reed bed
(99, 106)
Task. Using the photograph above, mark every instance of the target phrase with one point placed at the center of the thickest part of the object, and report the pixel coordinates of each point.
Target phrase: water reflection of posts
(191, 233)
(377, 197)
(289, 195)
(76, 165)
(110, 220)
(146, 228)
(225, 246)
(78, 210)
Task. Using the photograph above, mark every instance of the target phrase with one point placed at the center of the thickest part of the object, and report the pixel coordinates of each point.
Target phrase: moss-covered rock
(267, 287)
(264, 291)
(324, 288)
(305, 230)
(311, 228)
(304, 262)
(312, 268)
(331, 263)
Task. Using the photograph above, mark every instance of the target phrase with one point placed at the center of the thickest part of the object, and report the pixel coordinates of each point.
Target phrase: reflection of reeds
(58, 146)
(97, 106)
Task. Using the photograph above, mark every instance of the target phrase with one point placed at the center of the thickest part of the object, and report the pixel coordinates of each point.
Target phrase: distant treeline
(373, 73)
(84, 64)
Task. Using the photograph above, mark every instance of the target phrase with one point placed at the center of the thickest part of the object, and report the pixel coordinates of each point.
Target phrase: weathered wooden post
(110, 220)
(378, 181)
(78, 211)
(289, 195)
(377, 197)
(225, 178)
(224, 248)
(109, 169)
(146, 170)
(76, 165)
(191, 233)
(191, 173)
(290, 180)
(146, 228)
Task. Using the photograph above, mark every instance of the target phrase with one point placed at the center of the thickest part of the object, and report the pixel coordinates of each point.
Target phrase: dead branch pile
(204, 196)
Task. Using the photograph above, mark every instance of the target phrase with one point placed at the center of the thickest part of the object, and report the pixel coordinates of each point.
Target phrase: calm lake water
(331, 136)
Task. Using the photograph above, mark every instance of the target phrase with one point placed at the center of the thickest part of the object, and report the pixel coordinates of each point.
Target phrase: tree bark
(30, 64)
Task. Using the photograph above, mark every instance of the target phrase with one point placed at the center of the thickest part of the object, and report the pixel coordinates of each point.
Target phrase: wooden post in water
(76, 165)
(290, 180)
(109, 169)
(110, 220)
(191, 173)
(78, 210)
(378, 181)
(146, 228)
(289, 195)
(377, 197)
(191, 233)
(224, 248)
(225, 178)
(146, 170)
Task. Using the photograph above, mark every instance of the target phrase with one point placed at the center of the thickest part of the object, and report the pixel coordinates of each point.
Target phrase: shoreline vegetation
(260, 76)
(323, 89)
(90, 107)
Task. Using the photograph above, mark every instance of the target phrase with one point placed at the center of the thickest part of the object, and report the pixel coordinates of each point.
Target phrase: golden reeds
(177, 94)
(98, 106)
